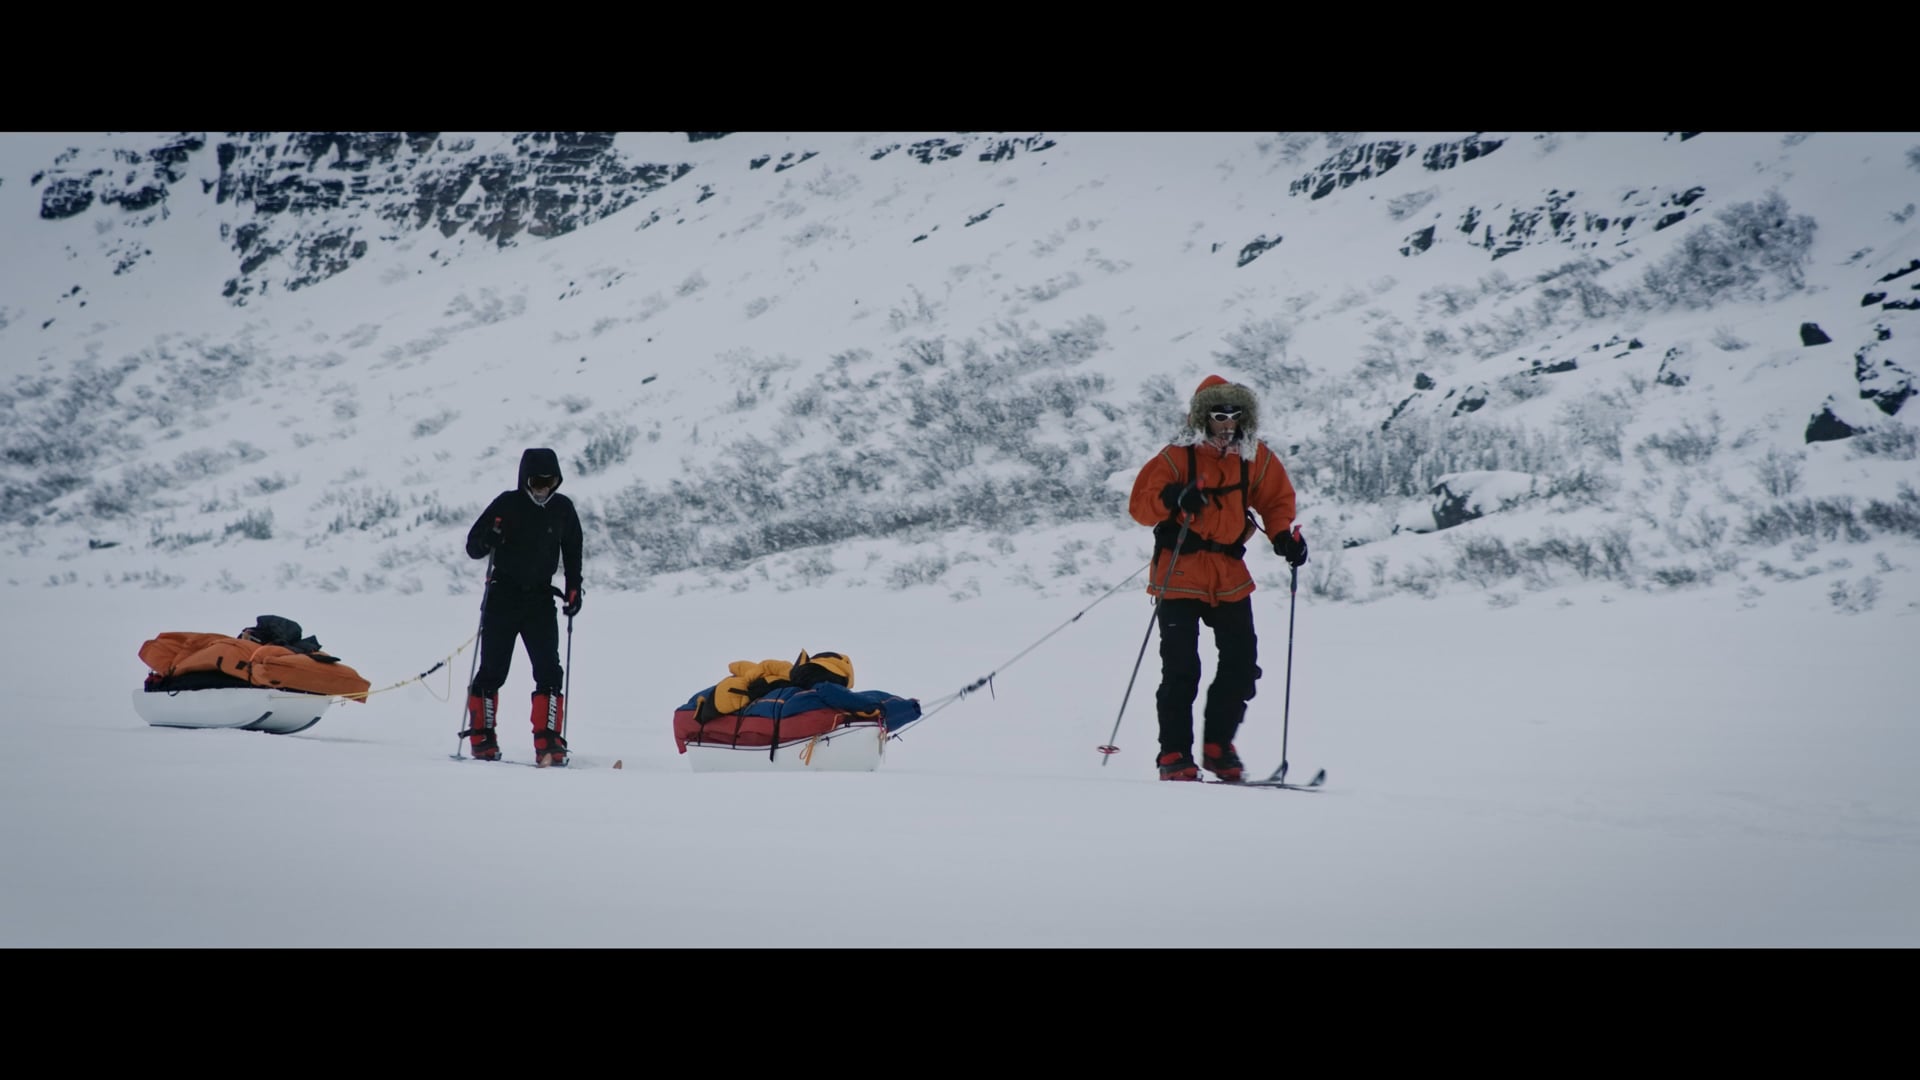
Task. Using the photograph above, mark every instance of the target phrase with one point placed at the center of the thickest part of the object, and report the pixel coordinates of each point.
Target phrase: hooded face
(540, 474)
(1223, 411)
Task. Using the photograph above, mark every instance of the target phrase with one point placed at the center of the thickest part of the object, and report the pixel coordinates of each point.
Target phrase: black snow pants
(527, 614)
(1233, 680)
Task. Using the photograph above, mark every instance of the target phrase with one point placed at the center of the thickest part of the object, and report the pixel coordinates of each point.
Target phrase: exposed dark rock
(1811, 334)
(1885, 383)
(66, 197)
(1422, 382)
(1907, 269)
(1872, 298)
(324, 256)
(1557, 220)
(703, 136)
(1463, 497)
(1826, 427)
(1450, 509)
(1889, 401)
(139, 199)
(1673, 368)
(137, 181)
(1006, 148)
(982, 215)
(547, 184)
(925, 152)
(1253, 250)
(1447, 155)
(1397, 410)
(170, 157)
(1419, 241)
(244, 236)
(1350, 166)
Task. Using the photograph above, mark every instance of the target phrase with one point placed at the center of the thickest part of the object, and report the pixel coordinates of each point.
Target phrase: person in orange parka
(1214, 477)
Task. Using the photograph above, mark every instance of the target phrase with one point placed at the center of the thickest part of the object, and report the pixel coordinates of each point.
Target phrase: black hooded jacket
(535, 539)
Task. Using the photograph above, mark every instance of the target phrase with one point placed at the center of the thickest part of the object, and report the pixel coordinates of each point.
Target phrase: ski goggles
(542, 483)
(1228, 413)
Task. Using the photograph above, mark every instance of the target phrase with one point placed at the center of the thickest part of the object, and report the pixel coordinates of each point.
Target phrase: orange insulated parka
(1215, 577)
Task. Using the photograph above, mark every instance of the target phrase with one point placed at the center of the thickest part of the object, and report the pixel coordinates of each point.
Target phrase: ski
(574, 763)
(1315, 784)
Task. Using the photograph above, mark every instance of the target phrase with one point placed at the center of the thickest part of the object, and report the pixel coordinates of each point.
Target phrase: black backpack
(284, 632)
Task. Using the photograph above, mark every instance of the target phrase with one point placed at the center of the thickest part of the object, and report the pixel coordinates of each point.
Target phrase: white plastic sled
(857, 747)
(248, 708)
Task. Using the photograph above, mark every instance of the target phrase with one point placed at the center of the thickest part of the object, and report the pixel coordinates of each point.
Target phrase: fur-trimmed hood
(1215, 391)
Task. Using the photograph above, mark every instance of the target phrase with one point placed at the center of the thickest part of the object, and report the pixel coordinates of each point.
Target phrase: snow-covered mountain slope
(1492, 360)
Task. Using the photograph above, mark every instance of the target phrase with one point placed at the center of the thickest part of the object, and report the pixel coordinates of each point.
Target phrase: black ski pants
(527, 614)
(1233, 679)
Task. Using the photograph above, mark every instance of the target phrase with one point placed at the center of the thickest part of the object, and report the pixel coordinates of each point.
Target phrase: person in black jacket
(529, 532)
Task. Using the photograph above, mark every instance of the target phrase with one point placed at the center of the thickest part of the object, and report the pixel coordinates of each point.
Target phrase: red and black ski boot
(1178, 765)
(481, 714)
(549, 729)
(1223, 762)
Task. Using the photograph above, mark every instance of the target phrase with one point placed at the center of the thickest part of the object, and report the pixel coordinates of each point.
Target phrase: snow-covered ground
(1612, 771)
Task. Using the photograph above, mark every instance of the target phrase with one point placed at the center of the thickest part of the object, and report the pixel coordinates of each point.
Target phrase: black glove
(1292, 547)
(492, 537)
(1182, 497)
(572, 606)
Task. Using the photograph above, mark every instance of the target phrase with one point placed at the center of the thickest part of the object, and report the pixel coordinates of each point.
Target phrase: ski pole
(1110, 749)
(566, 678)
(566, 692)
(1286, 710)
(459, 739)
